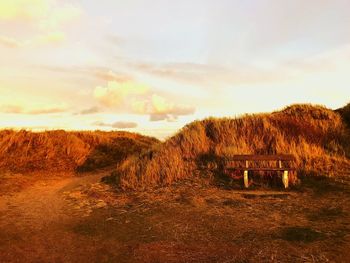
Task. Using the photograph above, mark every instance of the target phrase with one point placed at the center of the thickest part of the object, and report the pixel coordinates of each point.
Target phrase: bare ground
(81, 220)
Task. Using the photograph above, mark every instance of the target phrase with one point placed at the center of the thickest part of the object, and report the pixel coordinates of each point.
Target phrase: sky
(152, 66)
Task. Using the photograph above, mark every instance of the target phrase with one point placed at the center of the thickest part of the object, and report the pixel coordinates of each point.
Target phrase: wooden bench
(242, 163)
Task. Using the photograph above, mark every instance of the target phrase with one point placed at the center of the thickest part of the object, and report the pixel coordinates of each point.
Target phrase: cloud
(46, 110)
(323, 62)
(60, 15)
(137, 98)
(48, 14)
(109, 75)
(51, 37)
(15, 109)
(117, 125)
(43, 39)
(91, 110)
(124, 125)
(160, 109)
(116, 94)
(212, 76)
(9, 42)
(18, 109)
(100, 73)
(115, 40)
(23, 9)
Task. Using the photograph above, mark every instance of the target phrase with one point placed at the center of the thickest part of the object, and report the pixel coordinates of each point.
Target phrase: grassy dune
(24, 151)
(317, 136)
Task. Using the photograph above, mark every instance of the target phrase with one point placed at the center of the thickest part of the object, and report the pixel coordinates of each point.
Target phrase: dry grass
(345, 113)
(192, 221)
(317, 136)
(24, 151)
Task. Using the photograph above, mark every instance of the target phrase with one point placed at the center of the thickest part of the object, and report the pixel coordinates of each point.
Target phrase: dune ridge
(25, 151)
(317, 136)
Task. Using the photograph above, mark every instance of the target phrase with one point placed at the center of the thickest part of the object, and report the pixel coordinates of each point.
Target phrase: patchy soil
(82, 220)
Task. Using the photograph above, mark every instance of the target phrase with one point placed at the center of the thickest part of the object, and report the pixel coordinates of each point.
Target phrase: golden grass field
(318, 138)
(59, 151)
(124, 197)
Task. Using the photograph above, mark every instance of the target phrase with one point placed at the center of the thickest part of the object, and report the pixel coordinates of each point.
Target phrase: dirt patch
(301, 234)
(84, 199)
(326, 213)
(233, 203)
(81, 220)
(320, 185)
(268, 196)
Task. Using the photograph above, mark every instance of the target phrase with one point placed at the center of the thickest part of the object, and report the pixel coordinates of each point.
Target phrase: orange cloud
(117, 125)
(44, 39)
(115, 94)
(137, 98)
(60, 15)
(109, 75)
(160, 109)
(91, 110)
(47, 16)
(23, 9)
(47, 13)
(18, 109)
(9, 42)
(51, 37)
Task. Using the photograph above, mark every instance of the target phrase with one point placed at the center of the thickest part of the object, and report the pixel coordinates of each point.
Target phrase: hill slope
(316, 135)
(25, 151)
(345, 113)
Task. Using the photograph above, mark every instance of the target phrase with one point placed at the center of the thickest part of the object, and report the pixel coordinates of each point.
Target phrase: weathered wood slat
(260, 169)
(246, 179)
(278, 158)
(266, 157)
(285, 179)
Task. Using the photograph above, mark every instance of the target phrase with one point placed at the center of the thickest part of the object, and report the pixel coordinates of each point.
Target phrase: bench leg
(245, 176)
(285, 179)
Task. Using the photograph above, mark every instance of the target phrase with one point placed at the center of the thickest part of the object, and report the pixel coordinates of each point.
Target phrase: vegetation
(345, 113)
(317, 136)
(24, 151)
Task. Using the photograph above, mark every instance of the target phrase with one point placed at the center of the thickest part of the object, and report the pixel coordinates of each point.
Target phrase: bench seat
(234, 163)
(259, 169)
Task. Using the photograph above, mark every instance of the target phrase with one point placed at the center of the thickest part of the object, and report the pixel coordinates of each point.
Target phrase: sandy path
(33, 221)
(41, 204)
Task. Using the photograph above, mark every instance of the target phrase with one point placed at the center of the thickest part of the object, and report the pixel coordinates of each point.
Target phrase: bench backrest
(263, 157)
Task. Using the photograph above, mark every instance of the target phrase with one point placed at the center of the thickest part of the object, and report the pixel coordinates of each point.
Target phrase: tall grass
(23, 151)
(345, 113)
(314, 134)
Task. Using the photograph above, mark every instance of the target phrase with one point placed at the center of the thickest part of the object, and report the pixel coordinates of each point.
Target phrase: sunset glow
(153, 66)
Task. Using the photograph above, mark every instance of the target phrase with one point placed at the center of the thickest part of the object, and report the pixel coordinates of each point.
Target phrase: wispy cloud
(115, 40)
(43, 21)
(117, 125)
(212, 76)
(109, 75)
(9, 42)
(91, 110)
(23, 9)
(100, 73)
(39, 40)
(33, 110)
(327, 61)
(48, 14)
